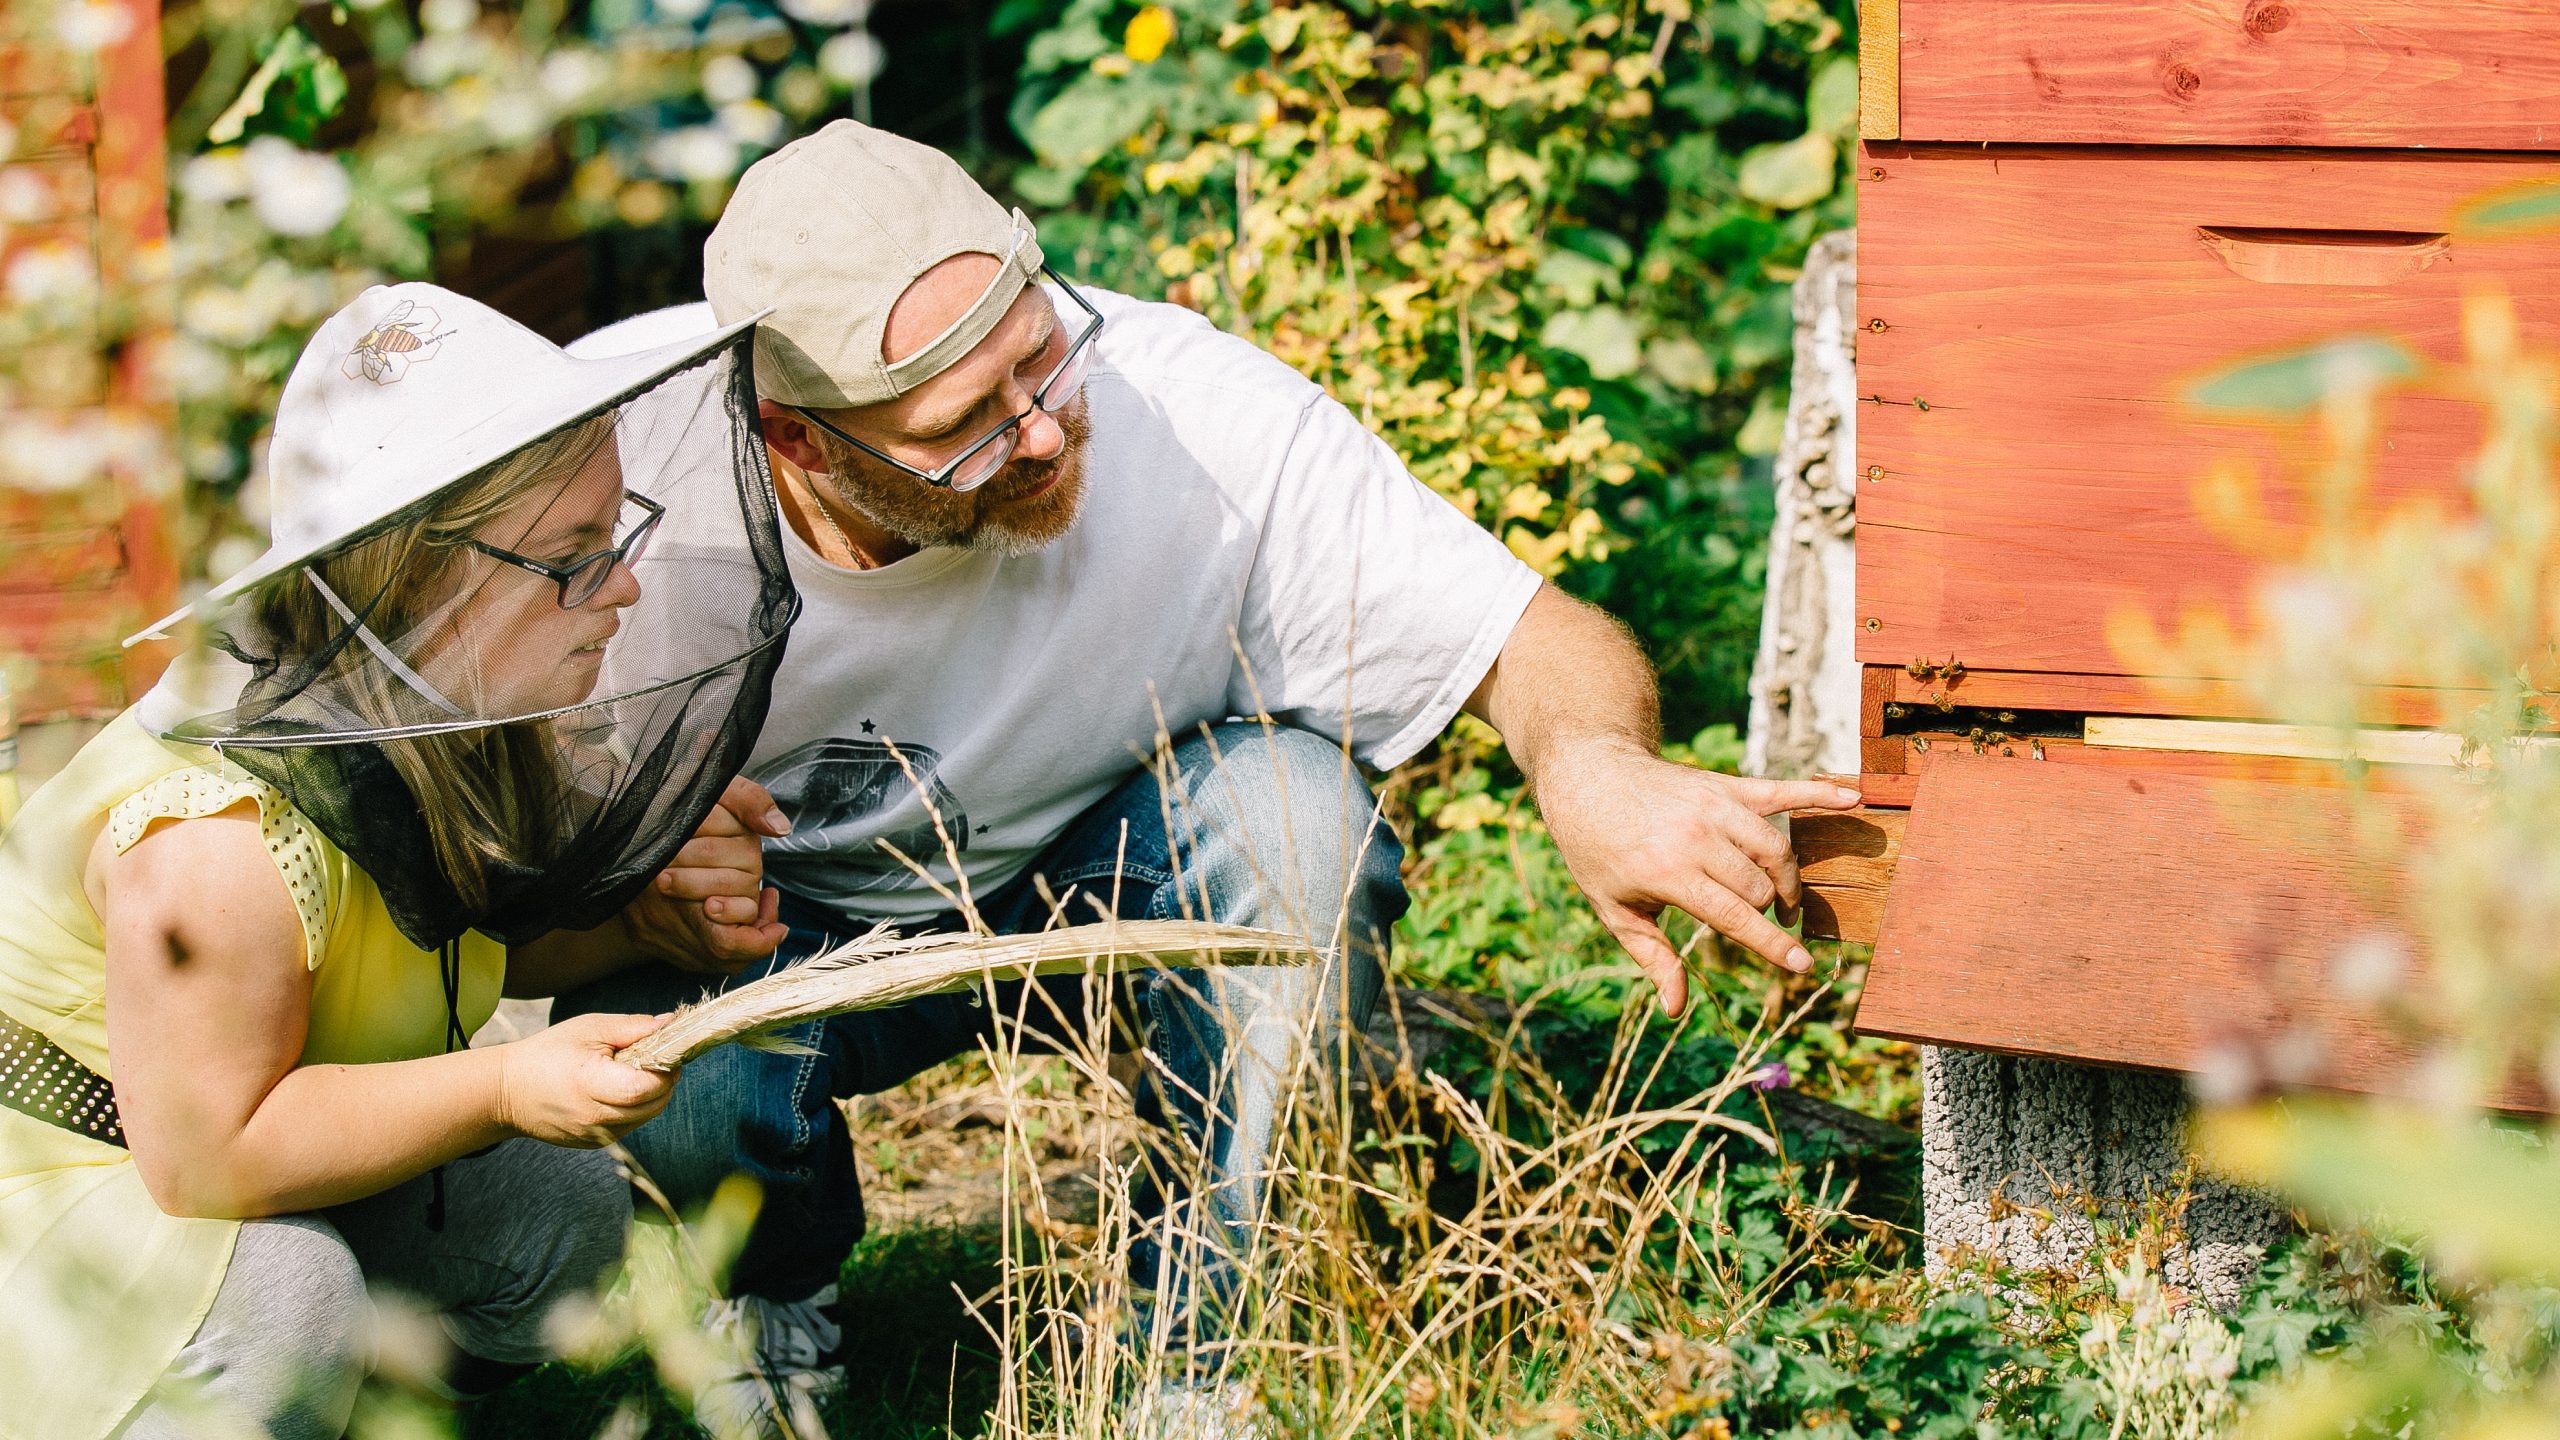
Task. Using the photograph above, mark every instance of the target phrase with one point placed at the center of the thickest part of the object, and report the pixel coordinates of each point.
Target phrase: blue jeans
(1249, 825)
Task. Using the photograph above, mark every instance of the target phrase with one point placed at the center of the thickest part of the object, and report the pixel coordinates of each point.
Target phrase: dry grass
(1542, 1284)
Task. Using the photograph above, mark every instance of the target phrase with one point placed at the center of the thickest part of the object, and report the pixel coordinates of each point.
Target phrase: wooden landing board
(1847, 860)
(2141, 919)
(2031, 321)
(2444, 74)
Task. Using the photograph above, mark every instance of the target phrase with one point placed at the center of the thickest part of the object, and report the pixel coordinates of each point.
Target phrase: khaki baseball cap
(827, 233)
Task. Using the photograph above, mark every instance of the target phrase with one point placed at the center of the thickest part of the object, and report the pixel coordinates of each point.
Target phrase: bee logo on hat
(405, 337)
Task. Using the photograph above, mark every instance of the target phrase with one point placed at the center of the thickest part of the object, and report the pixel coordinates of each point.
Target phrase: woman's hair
(489, 796)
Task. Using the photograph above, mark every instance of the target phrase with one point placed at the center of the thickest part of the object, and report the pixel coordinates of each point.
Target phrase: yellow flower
(1150, 30)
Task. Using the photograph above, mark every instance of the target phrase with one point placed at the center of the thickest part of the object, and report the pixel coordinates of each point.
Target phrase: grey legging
(289, 1338)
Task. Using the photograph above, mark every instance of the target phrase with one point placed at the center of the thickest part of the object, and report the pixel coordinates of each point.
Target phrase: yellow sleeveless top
(98, 1289)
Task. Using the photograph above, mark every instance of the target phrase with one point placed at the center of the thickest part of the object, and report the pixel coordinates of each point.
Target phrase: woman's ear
(791, 437)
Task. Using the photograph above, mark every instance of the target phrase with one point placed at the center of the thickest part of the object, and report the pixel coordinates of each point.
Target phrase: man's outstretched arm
(1578, 708)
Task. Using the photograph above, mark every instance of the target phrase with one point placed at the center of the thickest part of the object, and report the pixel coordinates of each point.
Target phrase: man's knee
(1283, 831)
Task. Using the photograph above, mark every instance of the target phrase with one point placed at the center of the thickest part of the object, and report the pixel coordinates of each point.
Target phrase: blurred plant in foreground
(2456, 588)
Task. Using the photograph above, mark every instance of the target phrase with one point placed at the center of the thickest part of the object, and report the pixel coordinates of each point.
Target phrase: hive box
(81, 570)
(2067, 212)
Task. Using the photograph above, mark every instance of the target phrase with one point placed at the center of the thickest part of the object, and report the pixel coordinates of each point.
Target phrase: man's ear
(790, 436)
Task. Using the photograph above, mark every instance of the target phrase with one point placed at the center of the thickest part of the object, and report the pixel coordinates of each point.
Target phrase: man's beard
(994, 517)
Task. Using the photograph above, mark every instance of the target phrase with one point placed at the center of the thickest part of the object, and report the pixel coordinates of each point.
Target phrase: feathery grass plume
(883, 968)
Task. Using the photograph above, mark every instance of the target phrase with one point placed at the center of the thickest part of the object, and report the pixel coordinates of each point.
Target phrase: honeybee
(399, 340)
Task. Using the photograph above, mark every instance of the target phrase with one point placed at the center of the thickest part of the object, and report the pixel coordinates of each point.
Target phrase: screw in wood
(1873, 624)
(1875, 172)
(1875, 472)
(1878, 325)
(1919, 404)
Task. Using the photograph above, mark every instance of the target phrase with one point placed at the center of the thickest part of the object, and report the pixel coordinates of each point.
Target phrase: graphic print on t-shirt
(845, 794)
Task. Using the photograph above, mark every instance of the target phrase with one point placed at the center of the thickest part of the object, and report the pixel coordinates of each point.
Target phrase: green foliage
(1543, 249)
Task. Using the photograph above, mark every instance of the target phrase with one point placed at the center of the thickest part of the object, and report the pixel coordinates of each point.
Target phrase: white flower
(51, 272)
(571, 75)
(2369, 966)
(23, 197)
(232, 554)
(222, 314)
(727, 79)
(833, 14)
(854, 58)
(215, 179)
(447, 17)
(294, 191)
(752, 122)
(90, 25)
(193, 370)
(51, 455)
(210, 460)
(514, 116)
(696, 152)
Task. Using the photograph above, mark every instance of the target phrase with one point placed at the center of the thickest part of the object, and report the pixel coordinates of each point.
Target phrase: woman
(448, 729)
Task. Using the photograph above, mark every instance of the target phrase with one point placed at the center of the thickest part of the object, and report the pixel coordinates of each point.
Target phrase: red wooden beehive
(81, 570)
(2067, 211)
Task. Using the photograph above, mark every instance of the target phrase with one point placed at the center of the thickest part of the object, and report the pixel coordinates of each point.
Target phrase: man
(1051, 542)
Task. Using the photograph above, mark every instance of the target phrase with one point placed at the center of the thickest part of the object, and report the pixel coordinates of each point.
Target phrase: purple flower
(1772, 1076)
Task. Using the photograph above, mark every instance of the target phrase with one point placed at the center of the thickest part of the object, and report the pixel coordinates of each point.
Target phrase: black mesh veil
(511, 704)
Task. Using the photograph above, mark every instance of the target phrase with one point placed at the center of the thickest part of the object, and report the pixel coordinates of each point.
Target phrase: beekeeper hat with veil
(474, 656)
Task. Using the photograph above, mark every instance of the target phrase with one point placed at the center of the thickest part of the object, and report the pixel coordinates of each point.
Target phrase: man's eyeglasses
(979, 463)
(580, 579)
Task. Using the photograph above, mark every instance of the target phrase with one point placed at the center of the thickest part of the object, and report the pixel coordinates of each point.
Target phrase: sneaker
(1188, 1409)
(792, 1368)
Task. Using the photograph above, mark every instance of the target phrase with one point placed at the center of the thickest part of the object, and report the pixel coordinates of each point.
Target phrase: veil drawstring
(449, 962)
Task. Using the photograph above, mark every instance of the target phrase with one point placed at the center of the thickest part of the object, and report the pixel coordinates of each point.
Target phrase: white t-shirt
(1244, 547)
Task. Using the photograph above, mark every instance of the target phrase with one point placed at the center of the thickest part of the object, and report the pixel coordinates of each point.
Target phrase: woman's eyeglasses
(979, 463)
(580, 579)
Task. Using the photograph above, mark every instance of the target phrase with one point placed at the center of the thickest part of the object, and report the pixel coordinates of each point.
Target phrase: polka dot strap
(195, 793)
(39, 1078)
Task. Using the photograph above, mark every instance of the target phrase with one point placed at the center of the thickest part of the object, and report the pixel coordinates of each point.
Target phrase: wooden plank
(2138, 695)
(2298, 742)
(2031, 320)
(2150, 920)
(1880, 69)
(1941, 748)
(1890, 789)
(1847, 860)
(2445, 74)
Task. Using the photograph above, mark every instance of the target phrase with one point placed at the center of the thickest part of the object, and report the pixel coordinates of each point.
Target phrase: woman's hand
(709, 910)
(564, 1086)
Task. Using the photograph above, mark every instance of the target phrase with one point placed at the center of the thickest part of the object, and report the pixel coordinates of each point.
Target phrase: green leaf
(296, 89)
(1831, 102)
(1086, 120)
(1767, 426)
(2296, 381)
(1604, 336)
(1790, 175)
(1681, 363)
(1581, 280)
